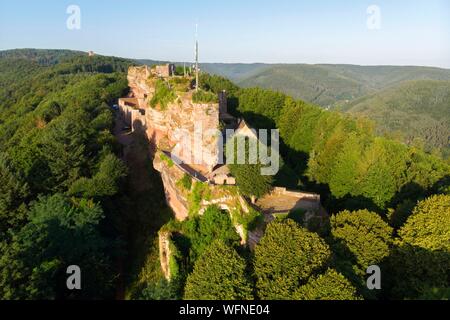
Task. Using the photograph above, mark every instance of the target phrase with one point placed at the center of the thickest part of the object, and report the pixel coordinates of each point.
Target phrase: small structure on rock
(164, 71)
(222, 176)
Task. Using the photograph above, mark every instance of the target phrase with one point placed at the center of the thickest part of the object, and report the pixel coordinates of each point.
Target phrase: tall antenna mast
(197, 84)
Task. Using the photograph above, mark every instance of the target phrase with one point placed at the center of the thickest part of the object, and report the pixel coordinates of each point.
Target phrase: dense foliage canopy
(286, 257)
(329, 286)
(420, 263)
(219, 274)
(56, 142)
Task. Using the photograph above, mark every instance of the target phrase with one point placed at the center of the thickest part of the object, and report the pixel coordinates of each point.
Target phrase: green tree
(249, 178)
(286, 257)
(361, 238)
(13, 190)
(105, 182)
(345, 178)
(436, 294)
(261, 108)
(60, 233)
(330, 135)
(220, 274)
(302, 133)
(164, 95)
(64, 150)
(55, 131)
(428, 226)
(161, 290)
(250, 181)
(382, 171)
(329, 286)
(212, 225)
(420, 263)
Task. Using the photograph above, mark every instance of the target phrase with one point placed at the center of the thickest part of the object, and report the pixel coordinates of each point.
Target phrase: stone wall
(133, 117)
(312, 198)
(165, 71)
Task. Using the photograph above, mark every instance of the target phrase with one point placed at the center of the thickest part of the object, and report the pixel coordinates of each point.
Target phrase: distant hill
(324, 84)
(316, 84)
(44, 57)
(235, 72)
(24, 70)
(410, 110)
(409, 103)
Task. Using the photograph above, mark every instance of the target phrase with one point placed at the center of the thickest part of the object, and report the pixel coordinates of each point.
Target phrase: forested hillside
(415, 111)
(44, 57)
(67, 198)
(323, 84)
(59, 172)
(410, 104)
(337, 151)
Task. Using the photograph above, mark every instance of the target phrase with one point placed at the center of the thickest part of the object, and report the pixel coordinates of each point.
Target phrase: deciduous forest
(67, 196)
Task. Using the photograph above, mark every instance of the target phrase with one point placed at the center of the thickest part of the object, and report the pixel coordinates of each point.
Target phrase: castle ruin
(160, 117)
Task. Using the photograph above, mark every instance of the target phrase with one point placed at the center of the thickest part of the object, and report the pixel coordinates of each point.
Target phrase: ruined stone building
(163, 126)
(162, 120)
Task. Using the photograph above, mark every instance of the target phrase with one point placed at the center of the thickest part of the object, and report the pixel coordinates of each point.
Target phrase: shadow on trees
(412, 272)
(345, 262)
(293, 173)
(351, 203)
(141, 210)
(408, 272)
(409, 195)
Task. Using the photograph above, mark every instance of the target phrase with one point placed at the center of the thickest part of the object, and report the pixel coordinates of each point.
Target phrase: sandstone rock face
(195, 125)
(190, 131)
(177, 198)
(170, 175)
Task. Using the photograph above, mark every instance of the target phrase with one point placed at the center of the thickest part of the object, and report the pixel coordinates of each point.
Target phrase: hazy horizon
(235, 63)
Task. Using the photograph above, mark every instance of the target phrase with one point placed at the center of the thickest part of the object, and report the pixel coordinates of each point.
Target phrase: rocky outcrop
(196, 124)
(170, 175)
(187, 122)
(177, 198)
(180, 119)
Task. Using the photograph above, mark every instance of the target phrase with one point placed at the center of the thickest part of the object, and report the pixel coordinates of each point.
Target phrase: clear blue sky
(413, 32)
